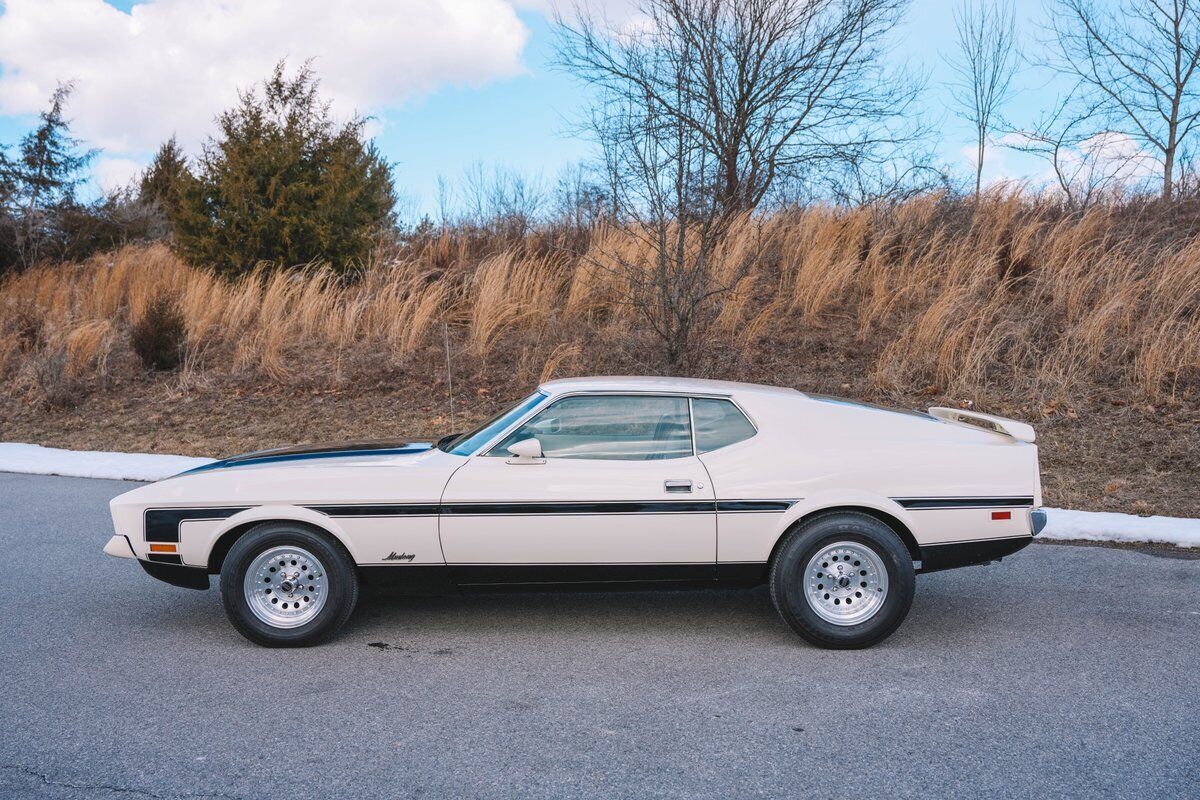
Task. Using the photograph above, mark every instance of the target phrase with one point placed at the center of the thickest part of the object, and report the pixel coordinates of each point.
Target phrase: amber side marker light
(1001, 515)
(162, 548)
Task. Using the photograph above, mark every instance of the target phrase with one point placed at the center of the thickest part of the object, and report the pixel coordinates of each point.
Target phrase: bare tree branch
(1137, 63)
(983, 68)
(769, 89)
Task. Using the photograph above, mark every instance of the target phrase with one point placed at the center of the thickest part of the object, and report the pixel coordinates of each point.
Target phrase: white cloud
(169, 66)
(115, 173)
(1106, 161)
(1111, 157)
(614, 10)
(996, 169)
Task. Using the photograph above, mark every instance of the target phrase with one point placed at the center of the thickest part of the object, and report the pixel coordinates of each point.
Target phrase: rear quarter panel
(826, 455)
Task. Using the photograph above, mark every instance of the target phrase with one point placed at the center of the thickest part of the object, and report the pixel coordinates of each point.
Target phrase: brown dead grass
(1014, 294)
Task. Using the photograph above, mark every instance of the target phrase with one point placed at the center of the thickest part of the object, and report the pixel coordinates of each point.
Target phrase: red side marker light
(1001, 515)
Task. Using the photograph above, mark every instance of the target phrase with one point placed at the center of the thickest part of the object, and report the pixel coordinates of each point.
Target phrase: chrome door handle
(677, 485)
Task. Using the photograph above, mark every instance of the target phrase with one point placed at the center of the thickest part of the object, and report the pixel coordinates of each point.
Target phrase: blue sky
(522, 122)
(509, 109)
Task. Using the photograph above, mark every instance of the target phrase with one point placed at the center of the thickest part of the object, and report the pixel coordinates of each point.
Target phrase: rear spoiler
(1005, 427)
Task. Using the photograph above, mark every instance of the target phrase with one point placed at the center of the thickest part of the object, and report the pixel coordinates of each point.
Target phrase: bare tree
(443, 201)
(1087, 161)
(498, 199)
(1137, 62)
(898, 177)
(661, 173)
(579, 200)
(983, 67)
(767, 89)
(702, 107)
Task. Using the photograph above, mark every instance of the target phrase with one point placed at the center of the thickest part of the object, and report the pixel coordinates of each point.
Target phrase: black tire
(340, 575)
(803, 542)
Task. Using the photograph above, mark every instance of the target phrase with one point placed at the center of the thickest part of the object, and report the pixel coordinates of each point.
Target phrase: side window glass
(719, 423)
(617, 427)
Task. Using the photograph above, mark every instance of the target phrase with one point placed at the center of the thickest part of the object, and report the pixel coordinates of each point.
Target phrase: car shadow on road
(747, 614)
(649, 610)
(940, 612)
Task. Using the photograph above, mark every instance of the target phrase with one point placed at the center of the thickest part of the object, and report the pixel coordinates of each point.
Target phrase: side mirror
(526, 451)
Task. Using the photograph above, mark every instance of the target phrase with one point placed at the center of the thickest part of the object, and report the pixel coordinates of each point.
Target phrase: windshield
(468, 443)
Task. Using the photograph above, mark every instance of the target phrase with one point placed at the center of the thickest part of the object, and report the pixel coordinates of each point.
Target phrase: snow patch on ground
(37, 460)
(1105, 526)
(1061, 524)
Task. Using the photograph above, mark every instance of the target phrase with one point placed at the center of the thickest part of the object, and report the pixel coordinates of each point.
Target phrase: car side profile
(605, 483)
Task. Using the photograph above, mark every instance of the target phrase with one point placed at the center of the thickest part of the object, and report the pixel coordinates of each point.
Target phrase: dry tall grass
(1015, 293)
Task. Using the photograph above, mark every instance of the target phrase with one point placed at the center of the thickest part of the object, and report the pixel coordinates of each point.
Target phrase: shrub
(27, 323)
(52, 384)
(283, 184)
(159, 334)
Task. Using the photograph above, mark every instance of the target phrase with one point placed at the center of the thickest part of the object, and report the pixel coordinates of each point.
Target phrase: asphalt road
(1063, 671)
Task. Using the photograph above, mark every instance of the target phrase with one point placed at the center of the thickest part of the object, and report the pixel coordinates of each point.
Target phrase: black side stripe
(612, 507)
(753, 506)
(531, 508)
(162, 524)
(932, 503)
(379, 510)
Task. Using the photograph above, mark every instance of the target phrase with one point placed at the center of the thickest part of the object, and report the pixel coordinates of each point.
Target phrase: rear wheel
(843, 580)
(286, 585)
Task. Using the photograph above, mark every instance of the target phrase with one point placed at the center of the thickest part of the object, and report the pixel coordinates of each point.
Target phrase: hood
(308, 452)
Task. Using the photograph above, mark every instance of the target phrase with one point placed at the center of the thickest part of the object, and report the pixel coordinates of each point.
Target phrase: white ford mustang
(607, 483)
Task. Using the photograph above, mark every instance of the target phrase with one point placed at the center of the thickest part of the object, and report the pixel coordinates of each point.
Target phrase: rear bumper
(937, 557)
(1037, 520)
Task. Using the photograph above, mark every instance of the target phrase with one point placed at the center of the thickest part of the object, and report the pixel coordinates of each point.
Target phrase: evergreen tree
(282, 183)
(41, 181)
(161, 182)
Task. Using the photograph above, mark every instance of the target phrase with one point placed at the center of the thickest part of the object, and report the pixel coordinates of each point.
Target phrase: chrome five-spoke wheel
(846, 583)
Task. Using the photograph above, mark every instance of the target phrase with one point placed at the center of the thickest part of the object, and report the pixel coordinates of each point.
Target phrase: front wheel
(843, 580)
(285, 585)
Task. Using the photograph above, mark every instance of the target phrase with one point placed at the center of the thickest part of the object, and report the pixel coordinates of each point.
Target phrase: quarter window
(616, 427)
(719, 423)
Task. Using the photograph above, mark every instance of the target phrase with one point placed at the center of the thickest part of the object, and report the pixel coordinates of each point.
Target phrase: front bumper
(119, 547)
(164, 567)
(177, 574)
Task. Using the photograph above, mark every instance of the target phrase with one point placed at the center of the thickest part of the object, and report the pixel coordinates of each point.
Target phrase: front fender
(197, 545)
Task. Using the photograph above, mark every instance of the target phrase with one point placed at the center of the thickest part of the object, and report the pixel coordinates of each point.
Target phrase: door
(617, 495)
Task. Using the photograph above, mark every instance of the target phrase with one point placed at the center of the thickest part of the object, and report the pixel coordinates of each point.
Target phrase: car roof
(633, 383)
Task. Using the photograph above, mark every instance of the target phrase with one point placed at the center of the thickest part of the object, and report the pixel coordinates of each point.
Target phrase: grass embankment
(1087, 325)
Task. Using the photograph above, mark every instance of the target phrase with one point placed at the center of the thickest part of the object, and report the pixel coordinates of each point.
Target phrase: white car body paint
(585, 537)
(942, 482)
